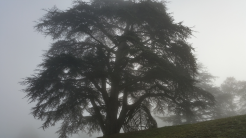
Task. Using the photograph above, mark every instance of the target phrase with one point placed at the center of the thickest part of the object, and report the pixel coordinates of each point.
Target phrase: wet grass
(232, 127)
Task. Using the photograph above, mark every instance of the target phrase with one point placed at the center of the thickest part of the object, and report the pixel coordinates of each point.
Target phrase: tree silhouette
(234, 96)
(199, 106)
(111, 59)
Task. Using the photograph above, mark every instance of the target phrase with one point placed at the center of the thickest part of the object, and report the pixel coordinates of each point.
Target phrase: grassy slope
(232, 127)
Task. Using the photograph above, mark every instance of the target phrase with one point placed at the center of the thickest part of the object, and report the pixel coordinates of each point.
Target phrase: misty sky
(219, 42)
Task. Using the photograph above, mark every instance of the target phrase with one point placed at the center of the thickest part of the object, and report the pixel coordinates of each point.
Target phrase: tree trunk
(111, 124)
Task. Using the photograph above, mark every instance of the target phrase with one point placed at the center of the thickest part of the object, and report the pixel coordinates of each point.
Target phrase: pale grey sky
(219, 42)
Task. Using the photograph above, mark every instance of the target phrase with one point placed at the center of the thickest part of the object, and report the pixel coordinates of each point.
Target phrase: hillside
(232, 127)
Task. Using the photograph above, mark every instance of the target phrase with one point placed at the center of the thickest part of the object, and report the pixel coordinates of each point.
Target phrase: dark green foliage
(110, 58)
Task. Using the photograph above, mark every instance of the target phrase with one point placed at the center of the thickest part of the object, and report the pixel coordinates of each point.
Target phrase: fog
(219, 42)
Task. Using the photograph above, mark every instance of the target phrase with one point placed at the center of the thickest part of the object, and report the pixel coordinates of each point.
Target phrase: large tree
(111, 62)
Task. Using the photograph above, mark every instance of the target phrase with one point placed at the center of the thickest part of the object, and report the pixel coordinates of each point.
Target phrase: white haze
(219, 43)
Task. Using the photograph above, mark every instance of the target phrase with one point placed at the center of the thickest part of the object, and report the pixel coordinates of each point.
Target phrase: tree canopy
(111, 63)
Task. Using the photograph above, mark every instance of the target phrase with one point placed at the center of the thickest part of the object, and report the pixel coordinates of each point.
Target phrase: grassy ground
(232, 127)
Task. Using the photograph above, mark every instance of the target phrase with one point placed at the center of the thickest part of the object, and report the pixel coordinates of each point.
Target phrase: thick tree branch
(102, 90)
(106, 47)
(98, 114)
(150, 95)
